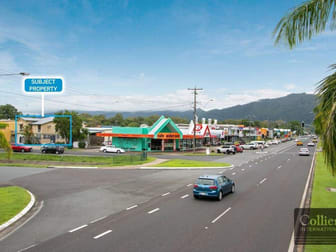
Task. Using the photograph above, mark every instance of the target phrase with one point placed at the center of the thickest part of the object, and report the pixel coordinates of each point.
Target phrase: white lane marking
(131, 207)
(165, 194)
(220, 172)
(98, 219)
(77, 228)
(184, 196)
(231, 168)
(288, 159)
(279, 166)
(262, 181)
(233, 173)
(250, 165)
(221, 215)
(206, 227)
(189, 185)
(256, 163)
(154, 210)
(243, 169)
(102, 234)
(29, 247)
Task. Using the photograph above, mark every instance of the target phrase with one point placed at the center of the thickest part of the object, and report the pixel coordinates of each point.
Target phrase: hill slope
(288, 108)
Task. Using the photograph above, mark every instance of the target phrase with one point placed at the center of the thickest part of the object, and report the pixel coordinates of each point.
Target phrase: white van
(258, 142)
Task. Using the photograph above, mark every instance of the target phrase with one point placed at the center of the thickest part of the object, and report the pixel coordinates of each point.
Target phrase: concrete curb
(74, 167)
(184, 168)
(21, 214)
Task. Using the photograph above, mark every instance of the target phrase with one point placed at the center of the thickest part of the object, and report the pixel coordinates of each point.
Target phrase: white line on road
(77, 228)
(131, 207)
(29, 247)
(231, 168)
(221, 215)
(154, 210)
(98, 219)
(279, 167)
(102, 234)
(233, 173)
(165, 194)
(243, 169)
(250, 165)
(220, 172)
(184, 196)
(256, 163)
(189, 185)
(262, 181)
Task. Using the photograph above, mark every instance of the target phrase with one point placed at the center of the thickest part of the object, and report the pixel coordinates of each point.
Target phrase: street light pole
(195, 89)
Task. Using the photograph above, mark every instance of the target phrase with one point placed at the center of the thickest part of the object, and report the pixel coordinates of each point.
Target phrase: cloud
(180, 100)
(289, 86)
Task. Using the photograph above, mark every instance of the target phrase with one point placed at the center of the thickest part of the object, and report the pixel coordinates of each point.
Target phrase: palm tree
(302, 23)
(5, 145)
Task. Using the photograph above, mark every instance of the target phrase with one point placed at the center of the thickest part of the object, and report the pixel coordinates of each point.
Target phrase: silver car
(304, 152)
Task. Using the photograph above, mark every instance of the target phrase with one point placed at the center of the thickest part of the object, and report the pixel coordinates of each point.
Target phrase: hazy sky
(144, 54)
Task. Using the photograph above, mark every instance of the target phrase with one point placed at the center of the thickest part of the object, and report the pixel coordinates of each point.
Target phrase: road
(155, 210)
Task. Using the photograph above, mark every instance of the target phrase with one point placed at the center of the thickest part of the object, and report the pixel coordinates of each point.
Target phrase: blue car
(214, 186)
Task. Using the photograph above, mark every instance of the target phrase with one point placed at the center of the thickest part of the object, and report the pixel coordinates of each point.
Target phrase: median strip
(102, 234)
(221, 215)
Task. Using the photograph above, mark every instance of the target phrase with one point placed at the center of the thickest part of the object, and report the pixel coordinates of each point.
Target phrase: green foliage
(8, 112)
(305, 21)
(28, 134)
(63, 126)
(81, 145)
(3, 125)
(5, 145)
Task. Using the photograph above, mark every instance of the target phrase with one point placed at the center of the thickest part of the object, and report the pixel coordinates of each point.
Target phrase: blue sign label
(43, 85)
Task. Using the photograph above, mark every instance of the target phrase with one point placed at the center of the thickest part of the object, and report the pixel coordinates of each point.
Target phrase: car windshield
(203, 181)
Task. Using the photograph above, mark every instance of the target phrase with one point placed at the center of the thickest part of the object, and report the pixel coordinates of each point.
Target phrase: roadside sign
(43, 85)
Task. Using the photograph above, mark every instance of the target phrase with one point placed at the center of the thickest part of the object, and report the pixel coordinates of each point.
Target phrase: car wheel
(57, 152)
(196, 197)
(218, 151)
(118, 151)
(233, 188)
(220, 196)
(44, 152)
(104, 150)
(233, 153)
(22, 150)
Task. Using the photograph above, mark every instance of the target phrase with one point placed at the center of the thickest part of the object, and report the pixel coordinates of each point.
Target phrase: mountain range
(287, 108)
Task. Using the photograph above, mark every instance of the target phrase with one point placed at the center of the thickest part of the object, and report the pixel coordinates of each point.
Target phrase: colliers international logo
(315, 226)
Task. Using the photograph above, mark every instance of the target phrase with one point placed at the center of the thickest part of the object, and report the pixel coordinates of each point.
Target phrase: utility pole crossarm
(195, 89)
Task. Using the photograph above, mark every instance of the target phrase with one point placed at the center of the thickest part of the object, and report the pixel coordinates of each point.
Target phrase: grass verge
(44, 160)
(190, 163)
(321, 197)
(12, 200)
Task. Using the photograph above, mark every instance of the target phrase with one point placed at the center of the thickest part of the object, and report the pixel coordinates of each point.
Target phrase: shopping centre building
(165, 135)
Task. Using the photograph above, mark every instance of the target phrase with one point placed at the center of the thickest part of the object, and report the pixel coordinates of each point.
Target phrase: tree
(63, 126)
(28, 134)
(5, 145)
(8, 112)
(302, 23)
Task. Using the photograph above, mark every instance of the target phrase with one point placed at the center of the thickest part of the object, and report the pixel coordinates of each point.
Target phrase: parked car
(249, 146)
(52, 148)
(112, 149)
(238, 148)
(213, 186)
(21, 148)
(226, 149)
(304, 152)
(311, 144)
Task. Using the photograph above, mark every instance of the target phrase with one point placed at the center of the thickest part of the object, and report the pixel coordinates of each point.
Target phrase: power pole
(195, 89)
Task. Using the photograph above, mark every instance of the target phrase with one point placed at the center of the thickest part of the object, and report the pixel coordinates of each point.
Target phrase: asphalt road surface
(146, 210)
